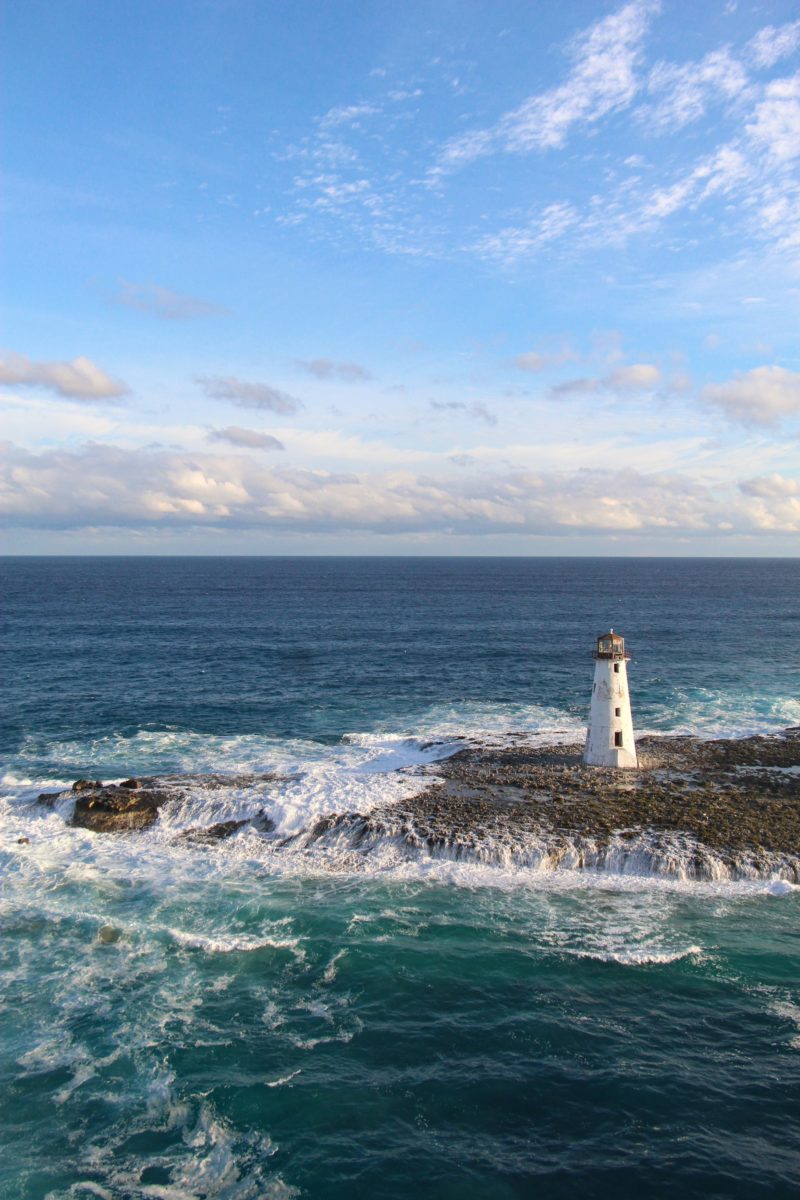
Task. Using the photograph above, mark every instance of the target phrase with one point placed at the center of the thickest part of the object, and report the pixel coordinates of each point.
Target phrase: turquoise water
(232, 1022)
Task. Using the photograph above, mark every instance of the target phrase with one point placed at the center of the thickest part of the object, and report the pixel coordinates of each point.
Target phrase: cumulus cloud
(772, 44)
(603, 79)
(162, 302)
(80, 379)
(535, 361)
(326, 368)
(773, 502)
(107, 486)
(758, 397)
(766, 486)
(637, 377)
(531, 361)
(248, 395)
(583, 386)
(634, 378)
(235, 435)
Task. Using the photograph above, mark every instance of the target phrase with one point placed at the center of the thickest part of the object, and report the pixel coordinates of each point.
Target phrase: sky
(441, 277)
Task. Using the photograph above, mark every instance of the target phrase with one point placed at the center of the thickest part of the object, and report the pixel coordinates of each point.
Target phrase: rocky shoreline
(728, 804)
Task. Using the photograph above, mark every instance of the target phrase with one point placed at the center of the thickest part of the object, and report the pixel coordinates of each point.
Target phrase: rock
(108, 934)
(118, 810)
(214, 833)
(134, 803)
(736, 800)
(23, 841)
(48, 799)
(262, 823)
(223, 829)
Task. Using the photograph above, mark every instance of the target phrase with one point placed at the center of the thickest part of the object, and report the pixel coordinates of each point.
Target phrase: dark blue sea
(262, 1025)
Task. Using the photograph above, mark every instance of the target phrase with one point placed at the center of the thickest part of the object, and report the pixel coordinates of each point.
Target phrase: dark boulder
(262, 823)
(224, 829)
(48, 799)
(214, 833)
(118, 810)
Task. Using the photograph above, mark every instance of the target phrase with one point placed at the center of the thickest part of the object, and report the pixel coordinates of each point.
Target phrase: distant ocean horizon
(189, 1021)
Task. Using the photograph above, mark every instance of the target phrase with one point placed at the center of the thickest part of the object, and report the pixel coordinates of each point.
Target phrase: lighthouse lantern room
(609, 739)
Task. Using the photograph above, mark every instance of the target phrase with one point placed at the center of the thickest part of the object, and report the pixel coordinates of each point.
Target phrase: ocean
(235, 1022)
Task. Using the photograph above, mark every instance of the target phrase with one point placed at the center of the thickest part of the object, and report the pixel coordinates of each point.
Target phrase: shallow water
(185, 1021)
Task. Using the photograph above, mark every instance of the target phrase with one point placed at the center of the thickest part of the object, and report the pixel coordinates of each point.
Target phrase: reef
(134, 804)
(733, 794)
(693, 808)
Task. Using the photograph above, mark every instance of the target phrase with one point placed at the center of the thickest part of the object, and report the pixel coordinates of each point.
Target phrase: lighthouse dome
(610, 645)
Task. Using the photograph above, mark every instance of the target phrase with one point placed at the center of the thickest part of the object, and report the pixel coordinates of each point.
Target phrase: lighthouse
(609, 739)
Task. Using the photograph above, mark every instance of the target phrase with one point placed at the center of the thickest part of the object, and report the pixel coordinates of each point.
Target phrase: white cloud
(758, 397)
(776, 124)
(603, 80)
(773, 502)
(326, 368)
(612, 220)
(363, 175)
(766, 486)
(249, 395)
(105, 486)
(164, 303)
(778, 215)
(461, 151)
(80, 379)
(634, 378)
(348, 114)
(254, 439)
(583, 386)
(531, 361)
(684, 92)
(771, 44)
(509, 245)
(553, 353)
(477, 410)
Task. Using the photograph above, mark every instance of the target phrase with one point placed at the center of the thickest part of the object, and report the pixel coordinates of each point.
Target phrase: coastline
(696, 809)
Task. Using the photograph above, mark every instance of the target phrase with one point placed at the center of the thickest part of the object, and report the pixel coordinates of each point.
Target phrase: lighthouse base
(608, 756)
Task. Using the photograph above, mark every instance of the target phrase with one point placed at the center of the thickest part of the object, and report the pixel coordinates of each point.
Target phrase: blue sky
(461, 278)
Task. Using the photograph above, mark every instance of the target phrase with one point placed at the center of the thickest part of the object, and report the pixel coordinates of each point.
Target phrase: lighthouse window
(617, 712)
(618, 739)
(616, 668)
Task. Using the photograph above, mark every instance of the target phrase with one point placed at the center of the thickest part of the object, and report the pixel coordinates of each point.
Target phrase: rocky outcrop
(736, 794)
(694, 808)
(113, 809)
(700, 810)
(134, 804)
(224, 829)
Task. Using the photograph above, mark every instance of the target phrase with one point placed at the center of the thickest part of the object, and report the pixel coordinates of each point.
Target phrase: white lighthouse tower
(609, 739)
